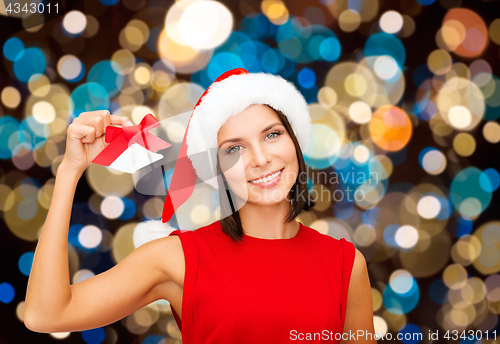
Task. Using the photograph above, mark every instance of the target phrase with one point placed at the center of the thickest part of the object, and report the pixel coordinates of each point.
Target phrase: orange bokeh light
(473, 40)
(390, 128)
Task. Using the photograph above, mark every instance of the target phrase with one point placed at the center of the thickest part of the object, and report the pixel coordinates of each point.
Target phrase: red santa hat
(230, 94)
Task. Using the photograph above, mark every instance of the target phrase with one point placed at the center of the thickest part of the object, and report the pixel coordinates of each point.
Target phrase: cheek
(285, 150)
(232, 166)
(236, 174)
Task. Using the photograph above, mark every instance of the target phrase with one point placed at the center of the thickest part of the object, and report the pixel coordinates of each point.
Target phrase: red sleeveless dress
(263, 290)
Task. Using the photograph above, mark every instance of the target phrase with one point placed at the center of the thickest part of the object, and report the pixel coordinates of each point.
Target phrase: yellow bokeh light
(464, 144)
(356, 85)
(200, 214)
(465, 250)
(439, 62)
(454, 276)
(349, 21)
(494, 31)
(183, 57)
(275, 11)
(379, 324)
(491, 132)
(10, 97)
(123, 59)
(39, 85)
(327, 96)
(360, 112)
(44, 112)
(376, 299)
(142, 75)
(365, 235)
(198, 24)
(460, 117)
(488, 260)
(452, 33)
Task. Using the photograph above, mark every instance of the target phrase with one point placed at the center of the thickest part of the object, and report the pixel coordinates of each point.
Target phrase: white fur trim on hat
(150, 230)
(231, 96)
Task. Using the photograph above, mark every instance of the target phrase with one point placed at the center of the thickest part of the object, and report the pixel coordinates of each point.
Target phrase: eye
(274, 134)
(233, 149)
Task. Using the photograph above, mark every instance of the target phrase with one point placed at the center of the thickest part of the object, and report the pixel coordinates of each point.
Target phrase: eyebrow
(262, 132)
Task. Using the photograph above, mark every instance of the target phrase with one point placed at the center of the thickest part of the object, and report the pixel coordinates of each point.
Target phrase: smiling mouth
(268, 178)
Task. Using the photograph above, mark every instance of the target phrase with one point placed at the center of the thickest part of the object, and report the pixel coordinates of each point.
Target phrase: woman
(256, 275)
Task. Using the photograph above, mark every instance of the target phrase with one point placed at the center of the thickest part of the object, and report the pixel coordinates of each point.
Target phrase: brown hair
(230, 218)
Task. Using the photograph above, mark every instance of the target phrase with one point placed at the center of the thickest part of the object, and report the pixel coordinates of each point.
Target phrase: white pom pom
(150, 230)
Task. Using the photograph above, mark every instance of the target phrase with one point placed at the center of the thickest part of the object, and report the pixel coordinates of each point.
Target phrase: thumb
(112, 131)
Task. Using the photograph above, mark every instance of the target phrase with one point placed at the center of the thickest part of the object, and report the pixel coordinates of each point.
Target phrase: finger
(120, 120)
(93, 113)
(94, 120)
(82, 132)
(107, 120)
(106, 117)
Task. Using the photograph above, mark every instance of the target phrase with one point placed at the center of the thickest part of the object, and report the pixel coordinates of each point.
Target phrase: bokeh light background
(405, 99)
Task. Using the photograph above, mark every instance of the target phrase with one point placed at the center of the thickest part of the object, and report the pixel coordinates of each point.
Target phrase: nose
(260, 156)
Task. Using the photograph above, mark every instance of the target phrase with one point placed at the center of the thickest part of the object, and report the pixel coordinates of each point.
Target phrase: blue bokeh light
(401, 303)
(13, 49)
(25, 262)
(489, 180)
(223, 62)
(306, 78)
(9, 127)
(31, 62)
(7, 292)
(129, 210)
(108, 74)
(385, 44)
(88, 97)
(94, 336)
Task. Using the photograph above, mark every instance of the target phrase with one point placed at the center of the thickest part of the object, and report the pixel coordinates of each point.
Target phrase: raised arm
(54, 305)
(359, 308)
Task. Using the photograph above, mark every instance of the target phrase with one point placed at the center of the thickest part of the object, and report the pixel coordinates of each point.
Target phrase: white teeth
(266, 179)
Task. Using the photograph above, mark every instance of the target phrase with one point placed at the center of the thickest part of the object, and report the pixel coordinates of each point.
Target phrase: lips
(265, 175)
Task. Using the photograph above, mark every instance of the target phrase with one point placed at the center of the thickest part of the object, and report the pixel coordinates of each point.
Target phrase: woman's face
(257, 156)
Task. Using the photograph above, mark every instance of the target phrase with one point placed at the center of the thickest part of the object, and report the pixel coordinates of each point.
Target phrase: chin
(265, 203)
(268, 197)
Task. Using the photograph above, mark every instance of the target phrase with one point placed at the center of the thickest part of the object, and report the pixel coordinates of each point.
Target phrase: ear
(150, 230)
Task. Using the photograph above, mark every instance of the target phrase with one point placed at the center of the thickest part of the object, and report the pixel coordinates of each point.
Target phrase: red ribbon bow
(120, 139)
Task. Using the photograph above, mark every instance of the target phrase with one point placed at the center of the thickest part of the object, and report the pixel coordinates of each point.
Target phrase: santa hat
(230, 94)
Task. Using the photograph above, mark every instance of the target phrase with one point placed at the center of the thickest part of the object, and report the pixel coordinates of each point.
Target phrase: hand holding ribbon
(130, 148)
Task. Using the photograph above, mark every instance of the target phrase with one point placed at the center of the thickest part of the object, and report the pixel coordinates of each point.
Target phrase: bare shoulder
(359, 269)
(359, 258)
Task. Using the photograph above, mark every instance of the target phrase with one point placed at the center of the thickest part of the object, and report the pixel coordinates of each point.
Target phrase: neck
(268, 222)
